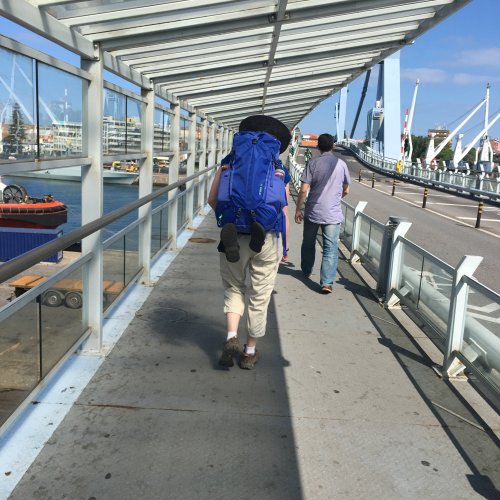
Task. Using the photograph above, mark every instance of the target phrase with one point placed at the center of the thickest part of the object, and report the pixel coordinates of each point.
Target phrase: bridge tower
(384, 126)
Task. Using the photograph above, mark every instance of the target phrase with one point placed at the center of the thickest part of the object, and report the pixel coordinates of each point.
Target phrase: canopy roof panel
(232, 58)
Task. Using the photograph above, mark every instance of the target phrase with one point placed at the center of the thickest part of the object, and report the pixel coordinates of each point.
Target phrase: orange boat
(17, 209)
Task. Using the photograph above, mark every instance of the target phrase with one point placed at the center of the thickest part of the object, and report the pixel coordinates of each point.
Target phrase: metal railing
(45, 324)
(460, 314)
(479, 183)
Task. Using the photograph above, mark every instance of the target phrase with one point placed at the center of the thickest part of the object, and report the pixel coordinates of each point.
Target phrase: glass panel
(158, 131)
(166, 132)
(374, 249)
(132, 265)
(410, 276)
(348, 225)
(198, 135)
(183, 134)
(19, 362)
(181, 210)
(156, 229)
(17, 107)
(134, 126)
(481, 340)
(60, 104)
(435, 293)
(114, 119)
(61, 319)
(113, 271)
(364, 235)
(196, 191)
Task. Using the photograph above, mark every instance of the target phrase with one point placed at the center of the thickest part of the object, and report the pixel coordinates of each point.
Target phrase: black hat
(263, 123)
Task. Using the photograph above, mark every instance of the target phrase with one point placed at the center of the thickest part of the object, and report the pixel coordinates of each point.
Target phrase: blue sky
(454, 61)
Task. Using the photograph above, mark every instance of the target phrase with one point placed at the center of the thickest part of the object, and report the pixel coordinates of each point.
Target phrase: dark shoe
(247, 361)
(257, 237)
(229, 238)
(326, 289)
(231, 348)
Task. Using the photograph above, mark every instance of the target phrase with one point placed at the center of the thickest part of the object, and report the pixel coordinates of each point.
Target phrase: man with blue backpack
(248, 197)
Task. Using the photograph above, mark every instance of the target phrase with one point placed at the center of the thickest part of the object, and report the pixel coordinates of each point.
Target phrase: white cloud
(487, 57)
(439, 76)
(471, 79)
(425, 75)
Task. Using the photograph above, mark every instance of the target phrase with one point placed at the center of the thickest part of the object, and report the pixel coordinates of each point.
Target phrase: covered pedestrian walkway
(343, 403)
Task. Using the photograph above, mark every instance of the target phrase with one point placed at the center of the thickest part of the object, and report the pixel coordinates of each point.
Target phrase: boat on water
(110, 176)
(18, 209)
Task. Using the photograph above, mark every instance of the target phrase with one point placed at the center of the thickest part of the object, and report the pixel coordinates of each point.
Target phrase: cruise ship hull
(74, 174)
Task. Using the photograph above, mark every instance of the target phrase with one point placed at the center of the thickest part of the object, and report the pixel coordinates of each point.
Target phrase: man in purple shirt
(327, 180)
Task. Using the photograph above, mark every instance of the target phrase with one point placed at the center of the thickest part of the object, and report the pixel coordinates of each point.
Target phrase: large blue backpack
(252, 188)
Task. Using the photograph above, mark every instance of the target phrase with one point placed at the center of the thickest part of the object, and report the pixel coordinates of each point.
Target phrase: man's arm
(345, 190)
(304, 188)
(214, 189)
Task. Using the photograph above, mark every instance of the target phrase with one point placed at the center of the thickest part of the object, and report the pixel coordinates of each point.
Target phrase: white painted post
(203, 160)
(190, 166)
(146, 182)
(92, 203)
(173, 173)
(396, 264)
(452, 366)
(212, 155)
(356, 228)
(218, 144)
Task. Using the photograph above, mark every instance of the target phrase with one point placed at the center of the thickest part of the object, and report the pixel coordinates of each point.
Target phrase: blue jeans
(330, 233)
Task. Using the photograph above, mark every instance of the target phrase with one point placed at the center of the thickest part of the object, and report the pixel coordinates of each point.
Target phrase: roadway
(445, 227)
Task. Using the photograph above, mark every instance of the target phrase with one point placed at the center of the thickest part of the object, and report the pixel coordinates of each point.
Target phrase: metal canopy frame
(227, 59)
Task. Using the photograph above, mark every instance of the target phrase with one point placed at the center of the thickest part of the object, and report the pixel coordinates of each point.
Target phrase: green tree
(445, 154)
(420, 144)
(13, 142)
(470, 157)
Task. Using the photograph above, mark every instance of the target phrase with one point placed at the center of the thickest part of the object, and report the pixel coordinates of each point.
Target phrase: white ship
(74, 174)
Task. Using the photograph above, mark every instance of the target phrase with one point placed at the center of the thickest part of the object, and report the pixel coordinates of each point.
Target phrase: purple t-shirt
(325, 175)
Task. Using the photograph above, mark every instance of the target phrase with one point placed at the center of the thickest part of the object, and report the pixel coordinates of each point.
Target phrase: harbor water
(115, 196)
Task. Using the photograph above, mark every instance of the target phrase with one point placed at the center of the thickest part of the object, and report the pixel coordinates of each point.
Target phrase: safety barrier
(479, 184)
(48, 322)
(459, 313)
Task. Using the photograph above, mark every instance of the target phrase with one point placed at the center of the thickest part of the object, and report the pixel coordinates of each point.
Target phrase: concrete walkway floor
(343, 404)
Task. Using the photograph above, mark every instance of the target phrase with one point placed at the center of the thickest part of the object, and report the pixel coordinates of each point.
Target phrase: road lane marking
(454, 219)
(482, 220)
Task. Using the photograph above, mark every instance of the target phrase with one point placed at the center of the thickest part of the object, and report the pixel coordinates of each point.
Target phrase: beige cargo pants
(262, 269)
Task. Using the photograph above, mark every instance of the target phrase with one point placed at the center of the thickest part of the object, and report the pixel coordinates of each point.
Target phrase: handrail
(389, 166)
(14, 266)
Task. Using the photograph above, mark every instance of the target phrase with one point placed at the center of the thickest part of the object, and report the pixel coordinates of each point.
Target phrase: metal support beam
(342, 113)
(202, 161)
(392, 106)
(93, 205)
(146, 183)
(173, 174)
(190, 166)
